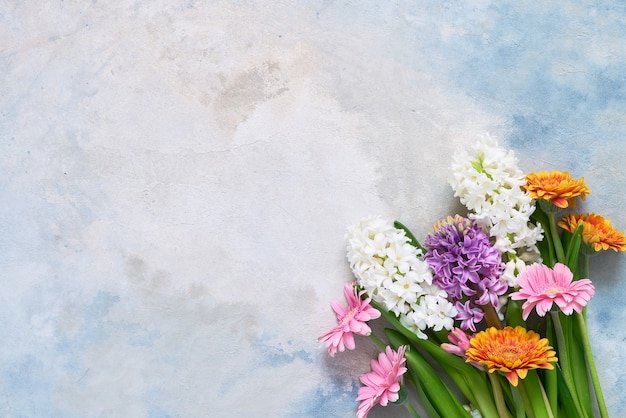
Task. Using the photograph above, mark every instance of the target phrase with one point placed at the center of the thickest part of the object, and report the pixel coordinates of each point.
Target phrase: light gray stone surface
(177, 176)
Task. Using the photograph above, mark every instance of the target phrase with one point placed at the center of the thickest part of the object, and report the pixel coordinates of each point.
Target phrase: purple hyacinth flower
(465, 263)
(468, 315)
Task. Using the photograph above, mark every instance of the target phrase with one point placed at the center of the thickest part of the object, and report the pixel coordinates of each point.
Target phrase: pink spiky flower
(541, 286)
(459, 344)
(350, 321)
(382, 384)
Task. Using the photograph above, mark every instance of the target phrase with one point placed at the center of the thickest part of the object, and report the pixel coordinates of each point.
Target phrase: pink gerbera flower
(541, 286)
(383, 382)
(350, 321)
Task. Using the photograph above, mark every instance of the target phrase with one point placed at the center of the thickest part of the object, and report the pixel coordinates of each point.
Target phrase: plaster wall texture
(177, 177)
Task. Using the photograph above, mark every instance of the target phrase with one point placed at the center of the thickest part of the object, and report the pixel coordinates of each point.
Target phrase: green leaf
(431, 412)
(546, 246)
(551, 378)
(566, 400)
(412, 240)
(567, 345)
(437, 392)
(579, 369)
(514, 314)
(518, 403)
(475, 386)
(533, 387)
(573, 250)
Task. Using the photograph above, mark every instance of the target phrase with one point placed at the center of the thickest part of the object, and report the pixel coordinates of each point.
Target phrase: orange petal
(511, 377)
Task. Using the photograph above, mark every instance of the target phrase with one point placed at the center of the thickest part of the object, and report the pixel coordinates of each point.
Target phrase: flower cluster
(394, 275)
(556, 187)
(598, 234)
(352, 320)
(382, 384)
(541, 286)
(491, 298)
(489, 183)
(513, 351)
(466, 265)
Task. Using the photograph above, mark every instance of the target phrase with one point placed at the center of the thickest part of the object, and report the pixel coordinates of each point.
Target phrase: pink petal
(526, 310)
(366, 379)
(349, 293)
(339, 310)
(384, 361)
(543, 307)
(376, 368)
(348, 340)
(364, 408)
(562, 274)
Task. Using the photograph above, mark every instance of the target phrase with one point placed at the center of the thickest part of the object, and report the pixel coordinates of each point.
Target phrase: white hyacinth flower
(488, 182)
(394, 275)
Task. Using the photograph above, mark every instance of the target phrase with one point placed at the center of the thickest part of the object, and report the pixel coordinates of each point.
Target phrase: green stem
(558, 246)
(491, 316)
(551, 376)
(546, 401)
(411, 410)
(585, 266)
(379, 343)
(498, 396)
(532, 388)
(564, 359)
(582, 326)
(552, 391)
(528, 406)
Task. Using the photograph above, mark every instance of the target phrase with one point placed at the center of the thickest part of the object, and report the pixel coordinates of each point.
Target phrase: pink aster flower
(383, 382)
(350, 321)
(540, 286)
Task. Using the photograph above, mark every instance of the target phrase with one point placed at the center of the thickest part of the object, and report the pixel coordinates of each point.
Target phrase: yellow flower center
(509, 353)
(552, 290)
(349, 316)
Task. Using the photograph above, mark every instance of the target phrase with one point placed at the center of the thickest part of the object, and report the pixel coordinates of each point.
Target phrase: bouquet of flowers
(486, 317)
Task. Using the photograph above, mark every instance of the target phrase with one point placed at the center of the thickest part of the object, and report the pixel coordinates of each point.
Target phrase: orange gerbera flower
(598, 233)
(512, 351)
(556, 187)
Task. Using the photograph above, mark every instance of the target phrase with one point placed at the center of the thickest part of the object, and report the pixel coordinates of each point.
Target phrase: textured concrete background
(177, 176)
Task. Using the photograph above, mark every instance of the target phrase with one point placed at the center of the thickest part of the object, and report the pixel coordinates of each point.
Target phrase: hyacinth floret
(468, 315)
(433, 311)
